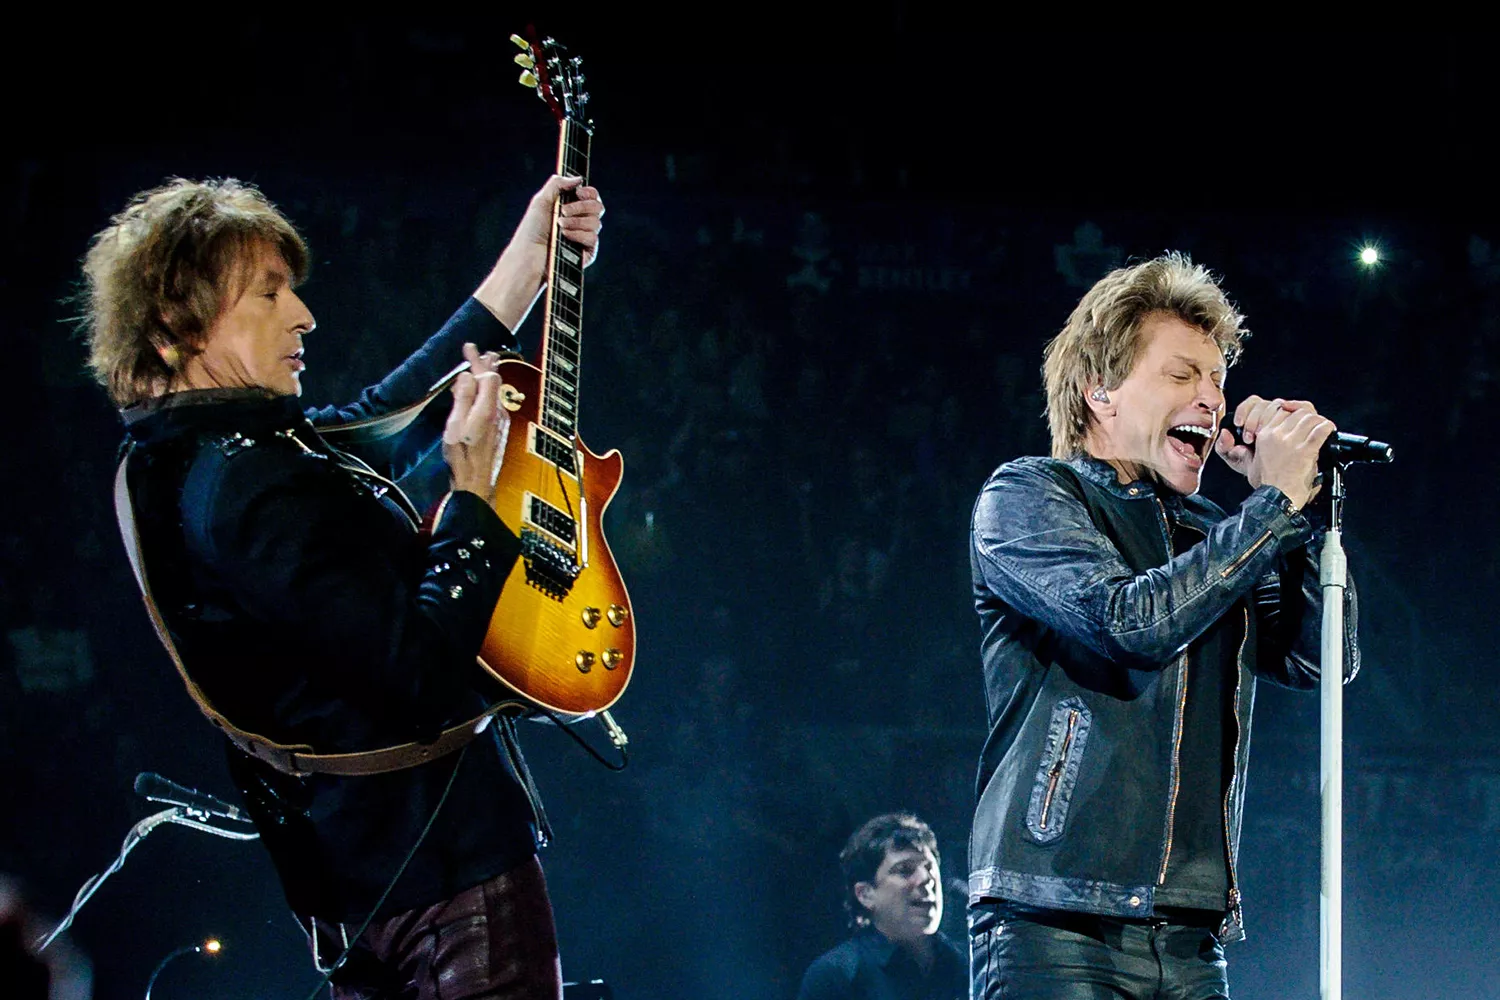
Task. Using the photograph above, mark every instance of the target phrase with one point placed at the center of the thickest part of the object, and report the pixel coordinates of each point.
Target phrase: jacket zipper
(1166, 854)
(1182, 672)
(1228, 570)
(1059, 765)
(1234, 775)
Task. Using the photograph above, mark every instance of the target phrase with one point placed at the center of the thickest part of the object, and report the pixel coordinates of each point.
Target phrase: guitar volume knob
(584, 661)
(591, 617)
(612, 658)
(618, 614)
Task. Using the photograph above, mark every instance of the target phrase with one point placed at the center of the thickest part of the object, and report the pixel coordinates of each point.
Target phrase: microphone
(1342, 449)
(158, 789)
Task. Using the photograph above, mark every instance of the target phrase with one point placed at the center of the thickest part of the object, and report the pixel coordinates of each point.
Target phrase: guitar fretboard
(563, 332)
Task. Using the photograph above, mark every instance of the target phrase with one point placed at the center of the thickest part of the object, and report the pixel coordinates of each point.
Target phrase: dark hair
(867, 847)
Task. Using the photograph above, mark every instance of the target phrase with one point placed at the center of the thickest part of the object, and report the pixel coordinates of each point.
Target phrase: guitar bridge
(549, 567)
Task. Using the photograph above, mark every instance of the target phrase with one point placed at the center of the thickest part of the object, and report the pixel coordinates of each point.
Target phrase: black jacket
(1089, 628)
(310, 610)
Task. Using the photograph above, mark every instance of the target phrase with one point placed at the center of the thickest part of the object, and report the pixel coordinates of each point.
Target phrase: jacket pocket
(1067, 735)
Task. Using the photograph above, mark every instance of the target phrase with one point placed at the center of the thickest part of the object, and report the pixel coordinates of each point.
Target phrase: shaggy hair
(1102, 339)
(162, 271)
(867, 847)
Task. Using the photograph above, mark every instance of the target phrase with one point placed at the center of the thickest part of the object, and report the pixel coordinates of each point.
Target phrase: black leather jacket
(1088, 623)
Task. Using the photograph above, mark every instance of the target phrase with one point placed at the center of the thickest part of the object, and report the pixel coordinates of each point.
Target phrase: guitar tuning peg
(524, 60)
(528, 78)
(519, 42)
(580, 78)
(576, 61)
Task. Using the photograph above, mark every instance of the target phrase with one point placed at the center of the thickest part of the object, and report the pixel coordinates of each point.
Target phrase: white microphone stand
(181, 815)
(1333, 575)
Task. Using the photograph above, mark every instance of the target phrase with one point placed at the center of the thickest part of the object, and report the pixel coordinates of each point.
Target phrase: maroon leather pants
(495, 941)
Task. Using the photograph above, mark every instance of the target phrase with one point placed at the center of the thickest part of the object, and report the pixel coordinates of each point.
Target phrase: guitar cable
(616, 736)
(574, 471)
(421, 837)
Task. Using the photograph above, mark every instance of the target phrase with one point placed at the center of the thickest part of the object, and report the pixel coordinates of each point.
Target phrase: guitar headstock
(556, 77)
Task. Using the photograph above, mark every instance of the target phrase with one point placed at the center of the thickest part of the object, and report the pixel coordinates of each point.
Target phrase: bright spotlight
(1369, 256)
(212, 946)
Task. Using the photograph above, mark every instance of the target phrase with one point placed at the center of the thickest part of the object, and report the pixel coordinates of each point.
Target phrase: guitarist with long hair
(330, 640)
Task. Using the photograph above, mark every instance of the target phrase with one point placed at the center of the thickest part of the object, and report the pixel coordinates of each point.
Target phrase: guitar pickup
(552, 447)
(557, 523)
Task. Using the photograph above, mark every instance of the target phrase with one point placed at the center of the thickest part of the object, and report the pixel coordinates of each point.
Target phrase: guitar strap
(372, 429)
(300, 759)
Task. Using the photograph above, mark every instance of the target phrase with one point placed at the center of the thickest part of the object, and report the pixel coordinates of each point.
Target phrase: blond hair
(1101, 341)
(159, 274)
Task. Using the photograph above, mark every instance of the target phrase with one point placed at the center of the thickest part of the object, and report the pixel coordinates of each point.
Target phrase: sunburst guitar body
(563, 632)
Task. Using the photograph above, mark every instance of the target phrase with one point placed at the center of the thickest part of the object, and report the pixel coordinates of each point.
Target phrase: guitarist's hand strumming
(474, 438)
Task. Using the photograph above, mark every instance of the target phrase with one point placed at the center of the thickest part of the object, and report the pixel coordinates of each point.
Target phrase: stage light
(212, 946)
(1369, 256)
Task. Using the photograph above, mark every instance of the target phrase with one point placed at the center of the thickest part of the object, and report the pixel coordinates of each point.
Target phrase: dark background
(834, 249)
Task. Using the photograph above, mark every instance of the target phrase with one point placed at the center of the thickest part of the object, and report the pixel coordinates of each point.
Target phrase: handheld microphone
(158, 789)
(1342, 449)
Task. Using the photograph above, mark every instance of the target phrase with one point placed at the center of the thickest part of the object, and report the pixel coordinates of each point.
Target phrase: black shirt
(869, 966)
(1198, 866)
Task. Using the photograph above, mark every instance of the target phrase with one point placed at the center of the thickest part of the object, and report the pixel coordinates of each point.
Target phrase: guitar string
(574, 274)
(561, 306)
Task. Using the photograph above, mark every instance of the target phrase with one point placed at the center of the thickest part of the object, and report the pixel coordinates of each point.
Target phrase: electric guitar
(563, 632)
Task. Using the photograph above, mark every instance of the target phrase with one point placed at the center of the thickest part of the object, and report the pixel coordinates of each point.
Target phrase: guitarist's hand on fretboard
(512, 284)
(581, 217)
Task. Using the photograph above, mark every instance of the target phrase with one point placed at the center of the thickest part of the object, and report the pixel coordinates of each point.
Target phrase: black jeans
(1020, 953)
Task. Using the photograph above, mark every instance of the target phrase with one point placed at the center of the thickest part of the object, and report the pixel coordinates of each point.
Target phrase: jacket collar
(206, 411)
(879, 947)
(1102, 474)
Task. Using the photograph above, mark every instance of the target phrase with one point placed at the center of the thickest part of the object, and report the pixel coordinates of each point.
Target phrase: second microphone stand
(1333, 576)
(181, 815)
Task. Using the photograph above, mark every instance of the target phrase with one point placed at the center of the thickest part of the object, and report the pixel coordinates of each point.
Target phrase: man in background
(893, 892)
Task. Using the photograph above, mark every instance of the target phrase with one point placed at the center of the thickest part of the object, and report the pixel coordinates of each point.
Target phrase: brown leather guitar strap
(371, 429)
(358, 432)
(296, 759)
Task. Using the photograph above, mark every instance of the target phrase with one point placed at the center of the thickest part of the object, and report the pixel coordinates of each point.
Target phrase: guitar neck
(562, 325)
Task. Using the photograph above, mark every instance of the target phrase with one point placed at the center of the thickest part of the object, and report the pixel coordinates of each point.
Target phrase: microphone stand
(181, 815)
(1333, 575)
(186, 949)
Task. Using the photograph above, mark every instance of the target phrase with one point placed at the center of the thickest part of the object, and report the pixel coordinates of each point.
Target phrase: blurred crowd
(808, 398)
